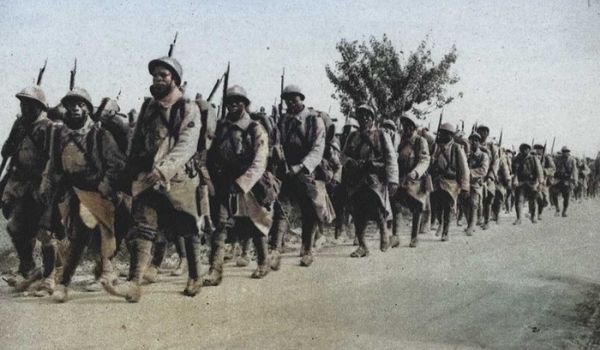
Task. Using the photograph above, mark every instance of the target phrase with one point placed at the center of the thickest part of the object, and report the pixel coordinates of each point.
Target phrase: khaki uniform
(529, 175)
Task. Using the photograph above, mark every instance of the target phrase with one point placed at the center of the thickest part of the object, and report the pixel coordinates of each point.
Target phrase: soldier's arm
(259, 164)
(483, 169)
(315, 155)
(463, 169)
(14, 138)
(186, 146)
(550, 168)
(391, 159)
(539, 171)
(574, 172)
(423, 158)
(114, 163)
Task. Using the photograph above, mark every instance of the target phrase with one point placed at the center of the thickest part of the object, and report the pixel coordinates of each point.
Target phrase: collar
(302, 114)
(169, 100)
(89, 123)
(244, 122)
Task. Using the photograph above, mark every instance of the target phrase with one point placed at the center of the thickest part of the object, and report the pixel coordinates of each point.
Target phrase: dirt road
(529, 287)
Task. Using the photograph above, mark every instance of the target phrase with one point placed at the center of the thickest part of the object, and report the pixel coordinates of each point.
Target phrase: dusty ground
(530, 287)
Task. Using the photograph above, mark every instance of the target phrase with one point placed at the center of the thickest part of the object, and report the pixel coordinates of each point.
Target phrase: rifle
(532, 142)
(500, 139)
(73, 73)
(172, 46)
(439, 125)
(544, 154)
(281, 92)
(41, 73)
(225, 86)
(214, 89)
(118, 95)
(552, 149)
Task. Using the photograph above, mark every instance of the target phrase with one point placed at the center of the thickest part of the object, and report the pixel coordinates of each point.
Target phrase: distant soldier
(413, 162)
(479, 163)
(22, 203)
(565, 178)
(529, 175)
(548, 167)
(164, 179)
(85, 162)
(491, 179)
(244, 193)
(303, 141)
(584, 171)
(503, 186)
(371, 176)
(450, 172)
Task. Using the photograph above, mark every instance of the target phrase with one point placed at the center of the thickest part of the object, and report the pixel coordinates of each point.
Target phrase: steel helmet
(565, 149)
(475, 135)
(34, 93)
(447, 127)
(367, 108)
(78, 94)
(389, 124)
(409, 119)
(171, 64)
(483, 127)
(351, 122)
(291, 90)
(237, 91)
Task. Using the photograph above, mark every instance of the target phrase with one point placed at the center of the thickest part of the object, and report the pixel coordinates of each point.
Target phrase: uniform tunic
(450, 170)
(413, 155)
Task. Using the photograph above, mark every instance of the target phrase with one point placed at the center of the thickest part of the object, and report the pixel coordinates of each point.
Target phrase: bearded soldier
(243, 201)
(450, 173)
(491, 179)
(164, 180)
(371, 175)
(413, 162)
(479, 163)
(548, 167)
(22, 204)
(303, 141)
(529, 174)
(565, 178)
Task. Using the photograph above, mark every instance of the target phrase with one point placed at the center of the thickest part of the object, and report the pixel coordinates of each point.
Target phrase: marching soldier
(529, 175)
(164, 179)
(582, 179)
(491, 179)
(548, 167)
(243, 201)
(450, 173)
(565, 178)
(479, 163)
(22, 204)
(303, 141)
(371, 177)
(414, 182)
(503, 186)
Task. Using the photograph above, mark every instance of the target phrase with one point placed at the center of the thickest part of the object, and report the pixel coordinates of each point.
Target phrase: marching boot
(243, 260)
(158, 255)
(384, 243)
(308, 237)
(216, 259)
(141, 254)
(74, 254)
(362, 251)
(470, 220)
(108, 275)
(425, 222)
(416, 221)
(446, 225)
(194, 283)
(46, 288)
(182, 264)
(27, 273)
(262, 259)
(275, 259)
(533, 211)
(395, 239)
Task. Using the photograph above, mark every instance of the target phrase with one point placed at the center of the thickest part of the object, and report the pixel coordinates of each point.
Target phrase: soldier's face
(475, 144)
(77, 112)
(294, 103)
(539, 151)
(484, 133)
(29, 110)
(162, 82)
(444, 137)
(408, 128)
(236, 106)
(365, 120)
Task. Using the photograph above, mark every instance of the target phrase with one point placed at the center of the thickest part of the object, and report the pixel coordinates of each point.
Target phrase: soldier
(529, 175)
(450, 173)
(237, 162)
(565, 178)
(85, 162)
(371, 176)
(22, 204)
(548, 167)
(503, 186)
(413, 162)
(164, 180)
(582, 179)
(491, 179)
(303, 141)
(479, 163)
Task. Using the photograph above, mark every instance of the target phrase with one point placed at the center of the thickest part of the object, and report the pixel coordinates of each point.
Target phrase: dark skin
(484, 133)
(77, 113)
(408, 130)
(30, 111)
(294, 103)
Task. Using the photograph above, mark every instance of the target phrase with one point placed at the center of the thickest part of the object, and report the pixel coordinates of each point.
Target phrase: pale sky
(529, 67)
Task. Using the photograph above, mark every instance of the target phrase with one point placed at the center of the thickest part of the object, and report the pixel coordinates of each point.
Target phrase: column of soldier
(170, 179)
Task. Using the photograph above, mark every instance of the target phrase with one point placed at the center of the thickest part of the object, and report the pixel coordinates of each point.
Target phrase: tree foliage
(375, 73)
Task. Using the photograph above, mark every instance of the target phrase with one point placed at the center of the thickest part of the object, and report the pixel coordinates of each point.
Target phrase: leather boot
(216, 260)
(262, 259)
(141, 254)
(74, 254)
(416, 222)
(275, 259)
(243, 260)
(194, 283)
(158, 255)
(46, 288)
